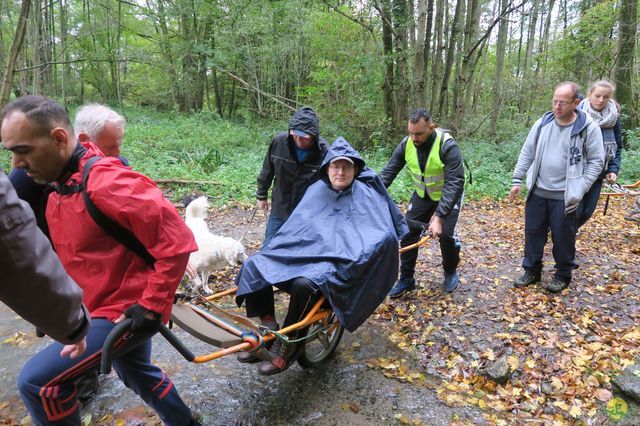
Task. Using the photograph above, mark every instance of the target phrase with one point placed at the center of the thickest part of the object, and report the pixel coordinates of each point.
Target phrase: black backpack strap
(122, 235)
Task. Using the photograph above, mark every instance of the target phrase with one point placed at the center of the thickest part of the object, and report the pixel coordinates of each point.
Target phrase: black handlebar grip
(107, 346)
(171, 338)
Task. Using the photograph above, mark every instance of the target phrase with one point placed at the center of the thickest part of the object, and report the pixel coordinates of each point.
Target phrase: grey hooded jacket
(585, 157)
(34, 283)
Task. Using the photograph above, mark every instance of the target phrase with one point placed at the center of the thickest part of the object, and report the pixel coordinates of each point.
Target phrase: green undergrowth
(228, 155)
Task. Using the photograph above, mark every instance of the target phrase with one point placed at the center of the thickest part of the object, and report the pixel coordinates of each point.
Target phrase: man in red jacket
(116, 283)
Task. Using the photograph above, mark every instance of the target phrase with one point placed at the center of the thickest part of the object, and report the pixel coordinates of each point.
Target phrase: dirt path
(420, 359)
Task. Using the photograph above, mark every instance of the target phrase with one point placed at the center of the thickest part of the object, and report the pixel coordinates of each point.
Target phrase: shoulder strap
(122, 235)
(464, 162)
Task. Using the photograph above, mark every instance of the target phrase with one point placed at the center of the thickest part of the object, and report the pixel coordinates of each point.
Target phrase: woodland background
(483, 67)
(202, 82)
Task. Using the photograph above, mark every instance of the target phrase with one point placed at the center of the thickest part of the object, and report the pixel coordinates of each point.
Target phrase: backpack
(115, 230)
(111, 227)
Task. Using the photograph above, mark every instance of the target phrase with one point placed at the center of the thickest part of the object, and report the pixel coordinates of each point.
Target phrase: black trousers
(421, 209)
(304, 294)
(542, 215)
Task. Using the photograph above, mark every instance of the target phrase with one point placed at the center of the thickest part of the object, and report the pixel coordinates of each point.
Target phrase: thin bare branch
(351, 18)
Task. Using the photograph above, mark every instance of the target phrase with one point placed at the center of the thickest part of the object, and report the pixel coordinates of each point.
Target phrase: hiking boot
(556, 286)
(284, 355)
(450, 282)
(403, 286)
(526, 279)
(88, 386)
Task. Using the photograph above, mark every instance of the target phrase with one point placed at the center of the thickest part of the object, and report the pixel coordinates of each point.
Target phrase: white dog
(214, 252)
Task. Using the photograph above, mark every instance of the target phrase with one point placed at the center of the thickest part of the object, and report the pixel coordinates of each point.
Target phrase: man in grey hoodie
(561, 158)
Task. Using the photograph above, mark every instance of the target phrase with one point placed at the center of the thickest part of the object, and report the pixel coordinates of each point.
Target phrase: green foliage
(630, 168)
(491, 164)
(197, 147)
(587, 50)
(229, 155)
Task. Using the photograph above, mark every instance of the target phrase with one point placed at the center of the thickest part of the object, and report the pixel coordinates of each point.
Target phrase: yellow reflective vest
(431, 179)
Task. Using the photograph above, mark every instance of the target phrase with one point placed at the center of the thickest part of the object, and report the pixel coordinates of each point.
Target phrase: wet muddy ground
(342, 391)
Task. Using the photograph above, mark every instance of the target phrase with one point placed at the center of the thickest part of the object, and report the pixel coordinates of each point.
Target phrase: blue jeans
(47, 381)
(589, 202)
(273, 226)
(542, 215)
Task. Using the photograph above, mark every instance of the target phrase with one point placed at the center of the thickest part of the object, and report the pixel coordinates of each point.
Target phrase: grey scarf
(606, 118)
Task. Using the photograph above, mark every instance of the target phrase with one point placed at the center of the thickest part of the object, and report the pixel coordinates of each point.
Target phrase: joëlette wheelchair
(232, 333)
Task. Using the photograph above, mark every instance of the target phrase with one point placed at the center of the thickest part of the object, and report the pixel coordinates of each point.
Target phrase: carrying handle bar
(123, 327)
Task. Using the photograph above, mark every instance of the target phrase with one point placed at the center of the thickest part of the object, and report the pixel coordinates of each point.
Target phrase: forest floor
(421, 359)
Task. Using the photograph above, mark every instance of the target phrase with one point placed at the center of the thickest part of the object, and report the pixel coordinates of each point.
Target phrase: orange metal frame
(316, 314)
(620, 194)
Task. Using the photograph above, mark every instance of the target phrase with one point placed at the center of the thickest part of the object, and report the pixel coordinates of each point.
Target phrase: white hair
(91, 119)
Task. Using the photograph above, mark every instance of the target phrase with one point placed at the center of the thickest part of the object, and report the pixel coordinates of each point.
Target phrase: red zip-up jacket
(112, 277)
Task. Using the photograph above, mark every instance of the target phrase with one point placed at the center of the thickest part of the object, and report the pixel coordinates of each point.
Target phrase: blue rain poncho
(346, 242)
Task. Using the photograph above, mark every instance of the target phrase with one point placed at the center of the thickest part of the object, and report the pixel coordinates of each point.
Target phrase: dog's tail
(197, 208)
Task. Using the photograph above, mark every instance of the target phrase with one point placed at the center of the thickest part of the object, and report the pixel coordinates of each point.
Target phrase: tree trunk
(400, 20)
(166, 51)
(411, 23)
(65, 80)
(545, 35)
(503, 29)
(14, 50)
(462, 89)
(455, 30)
(387, 43)
(525, 86)
(624, 66)
(438, 49)
(2, 14)
(35, 40)
(418, 69)
(427, 45)
(118, 91)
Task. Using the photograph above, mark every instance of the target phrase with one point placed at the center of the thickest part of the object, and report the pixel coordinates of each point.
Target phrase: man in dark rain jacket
(291, 164)
(341, 241)
(435, 163)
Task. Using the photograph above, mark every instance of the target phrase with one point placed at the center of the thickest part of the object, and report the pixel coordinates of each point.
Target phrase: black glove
(141, 322)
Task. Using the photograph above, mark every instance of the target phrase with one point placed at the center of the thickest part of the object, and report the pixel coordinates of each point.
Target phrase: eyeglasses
(345, 168)
(561, 103)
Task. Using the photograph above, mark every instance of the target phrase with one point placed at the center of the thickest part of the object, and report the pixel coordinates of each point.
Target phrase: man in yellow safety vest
(436, 166)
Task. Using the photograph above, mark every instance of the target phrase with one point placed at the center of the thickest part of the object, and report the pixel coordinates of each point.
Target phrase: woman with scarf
(605, 112)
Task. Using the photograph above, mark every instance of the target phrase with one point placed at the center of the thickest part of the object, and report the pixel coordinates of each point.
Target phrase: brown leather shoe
(289, 351)
(247, 357)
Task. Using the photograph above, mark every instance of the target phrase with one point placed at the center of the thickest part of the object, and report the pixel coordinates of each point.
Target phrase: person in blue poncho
(341, 241)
